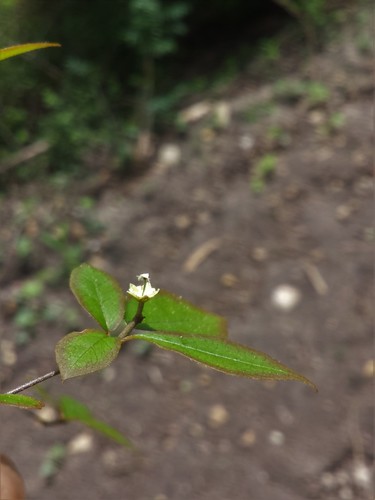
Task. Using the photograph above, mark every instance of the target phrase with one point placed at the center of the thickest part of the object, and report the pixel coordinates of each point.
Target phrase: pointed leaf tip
(72, 409)
(224, 355)
(16, 50)
(21, 401)
(99, 294)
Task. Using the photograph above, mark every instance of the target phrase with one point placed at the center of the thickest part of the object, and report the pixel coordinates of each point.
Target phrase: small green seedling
(262, 170)
(148, 314)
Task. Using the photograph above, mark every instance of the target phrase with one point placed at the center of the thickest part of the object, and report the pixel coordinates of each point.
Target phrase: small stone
(248, 438)
(285, 297)
(362, 476)
(47, 414)
(316, 117)
(277, 438)
(246, 142)
(195, 112)
(222, 114)
(368, 368)
(8, 352)
(343, 212)
(169, 155)
(161, 496)
(182, 221)
(260, 254)
(155, 375)
(218, 416)
(229, 280)
(82, 443)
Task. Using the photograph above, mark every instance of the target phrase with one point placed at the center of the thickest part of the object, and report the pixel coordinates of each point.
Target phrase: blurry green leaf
(99, 294)
(21, 401)
(223, 355)
(264, 167)
(31, 289)
(73, 410)
(24, 246)
(317, 93)
(25, 318)
(52, 461)
(79, 353)
(15, 50)
(170, 313)
(257, 185)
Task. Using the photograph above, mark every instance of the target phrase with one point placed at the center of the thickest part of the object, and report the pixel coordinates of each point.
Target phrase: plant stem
(133, 323)
(36, 381)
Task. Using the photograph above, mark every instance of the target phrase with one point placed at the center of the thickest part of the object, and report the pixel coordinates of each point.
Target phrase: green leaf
(71, 409)
(79, 353)
(99, 294)
(169, 313)
(223, 355)
(21, 401)
(15, 50)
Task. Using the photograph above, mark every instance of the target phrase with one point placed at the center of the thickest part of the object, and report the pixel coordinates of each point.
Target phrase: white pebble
(285, 297)
(82, 443)
(276, 438)
(47, 414)
(195, 112)
(8, 352)
(222, 114)
(246, 142)
(169, 155)
(362, 475)
(218, 416)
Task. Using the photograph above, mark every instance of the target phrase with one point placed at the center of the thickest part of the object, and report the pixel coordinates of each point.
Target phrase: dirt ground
(197, 226)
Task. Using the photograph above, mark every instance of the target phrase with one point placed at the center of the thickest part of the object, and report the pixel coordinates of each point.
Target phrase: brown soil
(201, 434)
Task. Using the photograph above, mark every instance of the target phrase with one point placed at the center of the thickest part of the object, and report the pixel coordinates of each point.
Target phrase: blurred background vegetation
(126, 68)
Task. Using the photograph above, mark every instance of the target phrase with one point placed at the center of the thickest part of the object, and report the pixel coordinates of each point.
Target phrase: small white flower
(145, 291)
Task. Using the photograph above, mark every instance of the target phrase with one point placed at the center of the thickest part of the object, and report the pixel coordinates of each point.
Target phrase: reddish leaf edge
(28, 47)
(36, 403)
(290, 374)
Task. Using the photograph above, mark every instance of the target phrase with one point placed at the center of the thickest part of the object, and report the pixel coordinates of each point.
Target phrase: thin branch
(25, 154)
(36, 381)
(138, 318)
